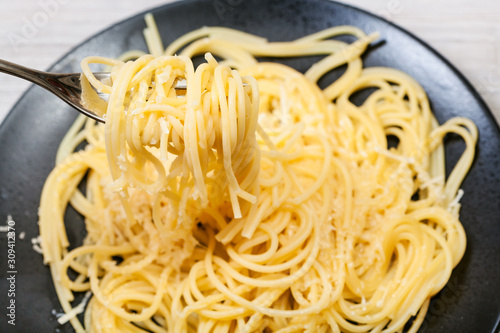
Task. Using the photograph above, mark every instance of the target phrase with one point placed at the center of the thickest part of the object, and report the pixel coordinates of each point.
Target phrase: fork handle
(61, 85)
(32, 75)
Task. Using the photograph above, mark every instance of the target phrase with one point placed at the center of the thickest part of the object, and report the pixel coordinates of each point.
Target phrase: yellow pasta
(254, 201)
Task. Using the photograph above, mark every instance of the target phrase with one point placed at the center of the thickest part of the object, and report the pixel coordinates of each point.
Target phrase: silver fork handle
(53, 82)
(26, 73)
(66, 86)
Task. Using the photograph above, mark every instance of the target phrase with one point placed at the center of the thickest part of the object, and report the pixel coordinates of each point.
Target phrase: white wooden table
(36, 33)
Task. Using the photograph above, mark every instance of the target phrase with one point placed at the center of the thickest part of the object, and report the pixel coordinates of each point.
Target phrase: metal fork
(69, 87)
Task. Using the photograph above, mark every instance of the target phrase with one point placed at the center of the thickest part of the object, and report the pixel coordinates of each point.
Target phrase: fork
(70, 87)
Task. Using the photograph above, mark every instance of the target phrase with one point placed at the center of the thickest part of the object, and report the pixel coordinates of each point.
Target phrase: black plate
(30, 134)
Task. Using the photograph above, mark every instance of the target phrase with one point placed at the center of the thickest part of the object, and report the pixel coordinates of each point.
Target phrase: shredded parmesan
(36, 242)
(75, 311)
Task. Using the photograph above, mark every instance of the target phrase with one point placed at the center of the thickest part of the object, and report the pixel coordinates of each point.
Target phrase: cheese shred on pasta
(254, 201)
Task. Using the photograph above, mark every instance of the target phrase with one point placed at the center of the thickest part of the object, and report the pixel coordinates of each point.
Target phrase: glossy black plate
(30, 134)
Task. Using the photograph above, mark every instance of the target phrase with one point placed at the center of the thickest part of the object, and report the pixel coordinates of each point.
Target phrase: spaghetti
(255, 201)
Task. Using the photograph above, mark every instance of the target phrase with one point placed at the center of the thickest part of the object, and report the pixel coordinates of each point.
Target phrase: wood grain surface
(36, 33)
